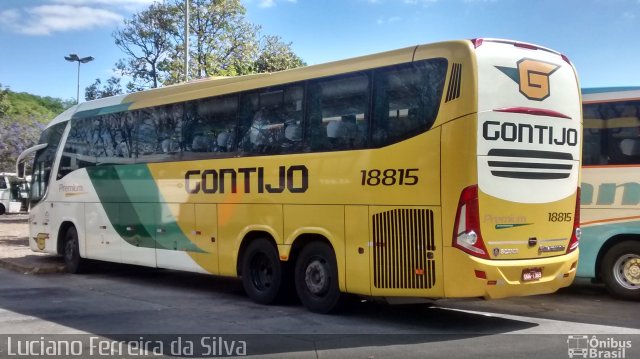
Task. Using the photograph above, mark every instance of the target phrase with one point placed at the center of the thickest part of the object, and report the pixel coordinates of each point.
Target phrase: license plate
(531, 274)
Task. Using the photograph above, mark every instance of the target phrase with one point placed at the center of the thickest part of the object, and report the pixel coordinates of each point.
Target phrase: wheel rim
(626, 271)
(317, 277)
(261, 272)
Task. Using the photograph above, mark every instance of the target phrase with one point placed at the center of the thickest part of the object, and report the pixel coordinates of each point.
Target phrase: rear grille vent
(529, 164)
(453, 92)
(403, 245)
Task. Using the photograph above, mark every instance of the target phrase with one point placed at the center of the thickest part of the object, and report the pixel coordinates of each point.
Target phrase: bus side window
(210, 128)
(271, 120)
(406, 100)
(77, 152)
(158, 134)
(338, 113)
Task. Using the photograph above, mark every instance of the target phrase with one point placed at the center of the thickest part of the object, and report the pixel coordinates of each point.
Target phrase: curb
(11, 264)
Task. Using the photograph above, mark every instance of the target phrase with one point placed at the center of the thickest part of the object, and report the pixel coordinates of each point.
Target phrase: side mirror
(20, 169)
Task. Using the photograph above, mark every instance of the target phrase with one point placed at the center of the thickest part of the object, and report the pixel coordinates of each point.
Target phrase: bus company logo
(71, 190)
(41, 239)
(584, 347)
(532, 76)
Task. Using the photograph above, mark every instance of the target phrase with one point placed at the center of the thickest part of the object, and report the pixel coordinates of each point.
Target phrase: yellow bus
(441, 170)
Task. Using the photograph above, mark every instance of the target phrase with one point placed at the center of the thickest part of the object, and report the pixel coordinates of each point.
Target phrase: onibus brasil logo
(581, 346)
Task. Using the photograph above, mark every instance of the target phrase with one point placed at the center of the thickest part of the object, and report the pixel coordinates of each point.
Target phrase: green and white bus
(610, 245)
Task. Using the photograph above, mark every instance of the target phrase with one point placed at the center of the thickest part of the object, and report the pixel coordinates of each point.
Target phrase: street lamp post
(84, 60)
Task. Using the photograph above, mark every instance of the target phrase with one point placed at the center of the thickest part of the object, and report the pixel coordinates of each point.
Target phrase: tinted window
(43, 162)
(339, 113)
(272, 120)
(3, 184)
(406, 100)
(612, 133)
(210, 128)
(158, 135)
(83, 143)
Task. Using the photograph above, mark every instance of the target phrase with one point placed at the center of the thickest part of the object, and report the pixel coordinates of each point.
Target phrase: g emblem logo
(532, 76)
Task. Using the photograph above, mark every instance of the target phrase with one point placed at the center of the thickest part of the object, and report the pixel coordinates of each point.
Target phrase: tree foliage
(96, 90)
(22, 118)
(5, 105)
(146, 41)
(276, 55)
(16, 137)
(222, 42)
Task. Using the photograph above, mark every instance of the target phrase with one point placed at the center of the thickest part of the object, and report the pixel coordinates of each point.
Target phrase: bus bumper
(463, 275)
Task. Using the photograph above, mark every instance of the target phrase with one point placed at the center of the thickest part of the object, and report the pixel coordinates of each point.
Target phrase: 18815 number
(559, 216)
(390, 177)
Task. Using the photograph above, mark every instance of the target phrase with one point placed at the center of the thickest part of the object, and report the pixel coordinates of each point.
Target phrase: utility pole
(186, 42)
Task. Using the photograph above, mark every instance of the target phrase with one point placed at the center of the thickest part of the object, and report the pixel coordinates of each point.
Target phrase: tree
(222, 43)
(5, 105)
(96, 90)
(146, 40)
(275, 55)
(16, 137)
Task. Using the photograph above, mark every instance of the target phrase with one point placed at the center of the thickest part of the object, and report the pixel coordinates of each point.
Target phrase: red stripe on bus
(532, 111)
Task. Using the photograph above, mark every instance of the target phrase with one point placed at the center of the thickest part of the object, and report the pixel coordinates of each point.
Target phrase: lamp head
(72, 58)
(84, 60)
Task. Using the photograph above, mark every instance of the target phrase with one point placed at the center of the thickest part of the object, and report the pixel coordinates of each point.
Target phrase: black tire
(620, 270)
(73, 262)
(316, 277)
(262, 272)
(2, 210)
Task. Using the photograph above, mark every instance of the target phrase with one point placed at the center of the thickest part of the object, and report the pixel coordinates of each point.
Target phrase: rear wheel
(2, 209)
(316, 277)
(73, 263)
(621, 270)
(262, 272)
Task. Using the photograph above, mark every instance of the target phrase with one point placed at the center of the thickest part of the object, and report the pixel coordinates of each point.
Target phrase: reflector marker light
(532, 111)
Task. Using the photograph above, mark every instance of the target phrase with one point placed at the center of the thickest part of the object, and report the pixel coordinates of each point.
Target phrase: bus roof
(610, 94)
(216, 86)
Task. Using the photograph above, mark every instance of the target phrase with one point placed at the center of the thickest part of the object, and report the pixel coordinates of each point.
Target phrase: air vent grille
(453, 92)
(403, 246)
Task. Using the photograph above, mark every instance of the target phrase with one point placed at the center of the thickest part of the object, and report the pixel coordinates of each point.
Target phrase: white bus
(13, 193)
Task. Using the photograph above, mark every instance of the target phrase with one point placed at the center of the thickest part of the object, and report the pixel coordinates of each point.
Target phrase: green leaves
(222, 42)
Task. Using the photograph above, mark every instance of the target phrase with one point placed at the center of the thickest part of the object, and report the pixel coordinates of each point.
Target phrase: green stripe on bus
(101, 111)
(133, 204)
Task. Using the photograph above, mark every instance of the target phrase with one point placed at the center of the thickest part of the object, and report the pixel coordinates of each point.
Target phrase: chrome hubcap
(627, 271)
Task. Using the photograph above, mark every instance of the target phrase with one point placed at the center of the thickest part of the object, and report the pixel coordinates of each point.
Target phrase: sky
(601, 37)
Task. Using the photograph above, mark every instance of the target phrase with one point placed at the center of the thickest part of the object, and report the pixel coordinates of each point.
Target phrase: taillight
(577, 232)
(476, 42)
(526, 46)
(466, 234)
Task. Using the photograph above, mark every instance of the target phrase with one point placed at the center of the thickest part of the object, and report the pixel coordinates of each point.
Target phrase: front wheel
(316, 278)
(621, 270)
(73, 263)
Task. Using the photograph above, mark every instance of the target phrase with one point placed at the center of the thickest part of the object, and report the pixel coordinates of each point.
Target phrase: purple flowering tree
(16, 137)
